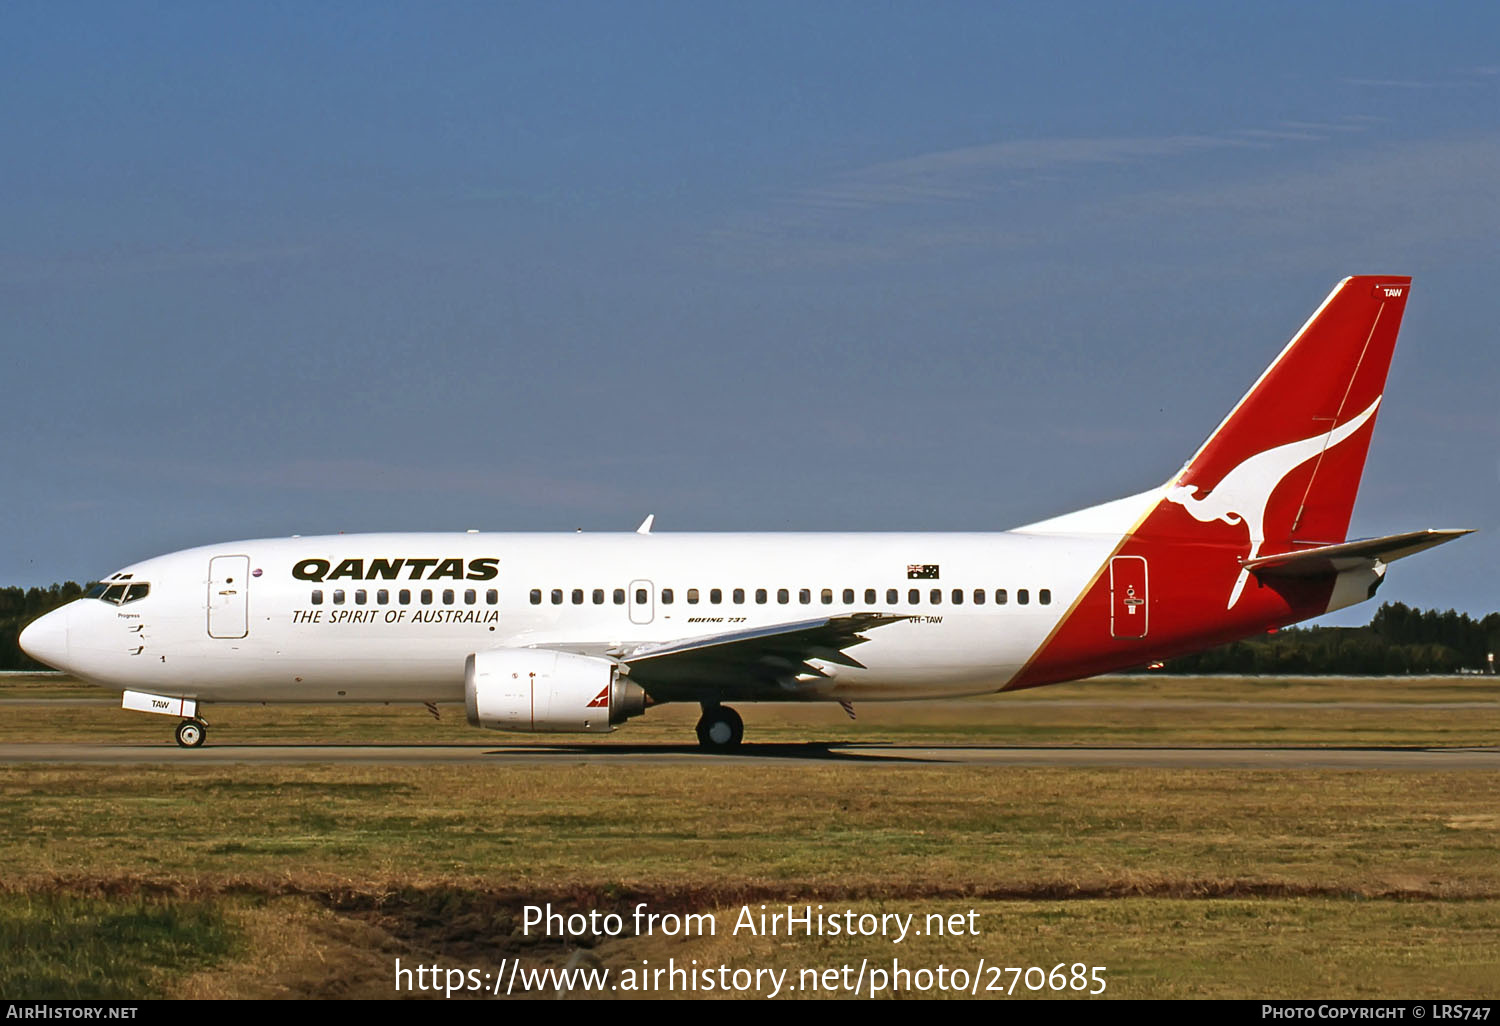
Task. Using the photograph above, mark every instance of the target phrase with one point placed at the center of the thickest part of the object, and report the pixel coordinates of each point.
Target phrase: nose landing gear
(192, 733)
(720, 729)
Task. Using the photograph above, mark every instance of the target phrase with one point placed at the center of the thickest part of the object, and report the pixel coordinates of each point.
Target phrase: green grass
(60, 945)
(1145, 710)
(261, 880)
(555, 828)
(1160, 948)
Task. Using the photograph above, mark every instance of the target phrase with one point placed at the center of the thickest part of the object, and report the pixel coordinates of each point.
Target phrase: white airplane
(578, 632)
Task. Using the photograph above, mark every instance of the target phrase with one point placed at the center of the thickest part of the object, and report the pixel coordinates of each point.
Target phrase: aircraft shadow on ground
(867, 752)
(818, 751)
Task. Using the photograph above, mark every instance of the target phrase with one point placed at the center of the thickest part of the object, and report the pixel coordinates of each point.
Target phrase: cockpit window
(119, 594)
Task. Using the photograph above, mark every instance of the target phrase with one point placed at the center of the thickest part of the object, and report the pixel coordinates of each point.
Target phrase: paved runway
(1027, 702)
(1289, 757)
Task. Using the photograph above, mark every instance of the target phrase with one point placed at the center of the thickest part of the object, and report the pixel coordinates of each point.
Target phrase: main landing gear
(720, 728)
(192, 733)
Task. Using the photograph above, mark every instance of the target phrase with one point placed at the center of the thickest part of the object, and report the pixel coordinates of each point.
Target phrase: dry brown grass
(1229, 883)
(955, 828)
(1147, 710)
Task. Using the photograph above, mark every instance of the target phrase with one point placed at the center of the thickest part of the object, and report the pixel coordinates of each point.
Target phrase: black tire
(191, 733)
(720, 729)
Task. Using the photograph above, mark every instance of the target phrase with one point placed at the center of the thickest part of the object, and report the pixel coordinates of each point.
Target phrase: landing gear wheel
(720, 729)
(192, 733)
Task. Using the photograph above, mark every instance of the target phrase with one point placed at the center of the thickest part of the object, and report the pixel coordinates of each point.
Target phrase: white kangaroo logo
(1242, 495)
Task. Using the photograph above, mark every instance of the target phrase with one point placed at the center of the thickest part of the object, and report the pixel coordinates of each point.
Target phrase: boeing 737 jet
(580, 632)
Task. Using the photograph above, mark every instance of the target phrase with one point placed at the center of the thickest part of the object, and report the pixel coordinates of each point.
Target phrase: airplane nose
(45, 639)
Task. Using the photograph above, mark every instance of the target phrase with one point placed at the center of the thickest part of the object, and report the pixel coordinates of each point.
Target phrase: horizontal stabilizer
(1326, 559)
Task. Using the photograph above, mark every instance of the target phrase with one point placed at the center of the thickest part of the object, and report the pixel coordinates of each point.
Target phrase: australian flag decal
(922, 572)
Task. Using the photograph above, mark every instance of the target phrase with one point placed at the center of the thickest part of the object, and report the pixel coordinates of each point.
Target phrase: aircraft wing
(751, 662)
(1327, 559)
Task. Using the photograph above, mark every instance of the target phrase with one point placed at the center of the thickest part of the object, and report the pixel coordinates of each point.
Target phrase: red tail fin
(1288, 458)
(1279, 474)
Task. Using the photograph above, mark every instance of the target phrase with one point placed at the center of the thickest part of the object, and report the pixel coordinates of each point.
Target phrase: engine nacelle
(541, 691)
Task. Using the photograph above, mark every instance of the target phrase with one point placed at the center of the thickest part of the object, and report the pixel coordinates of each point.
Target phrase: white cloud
(1317, 189)
(1428, 192)
(975, 196)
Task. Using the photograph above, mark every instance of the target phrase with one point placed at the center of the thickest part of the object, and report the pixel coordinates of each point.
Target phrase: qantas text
(319, 570)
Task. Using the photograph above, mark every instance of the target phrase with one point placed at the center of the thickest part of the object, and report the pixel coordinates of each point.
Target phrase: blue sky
(273, 269)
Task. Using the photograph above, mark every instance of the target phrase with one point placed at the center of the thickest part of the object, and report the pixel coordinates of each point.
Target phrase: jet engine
(541, 691)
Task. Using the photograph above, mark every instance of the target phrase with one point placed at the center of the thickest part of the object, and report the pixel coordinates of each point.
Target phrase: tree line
(1398, 640)
(20, 606)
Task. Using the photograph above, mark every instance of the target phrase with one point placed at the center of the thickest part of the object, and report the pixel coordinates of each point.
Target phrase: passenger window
(692, 596)
(892, 596)
(869, 596)
(426, 596)
(338, 596)
(405, 596)
(470, 596)
(760, 596)
(804, 595)
(827, 596)
(598, 596)
(1022, 596)
(557, 596)
(360, 596)
(783, 596)
(979, 596)
(666, 597)
(739, 596)
(447, 596)
(640, 596)
(383, 596)
(958, 596)
(317, 598)
(578, 596)
(848, 596)
(492, 596)
(914, 596)
(536, 596)
(715, 596)
(1000, 596)
(937, 596)
(1044, 596)
(619, 596)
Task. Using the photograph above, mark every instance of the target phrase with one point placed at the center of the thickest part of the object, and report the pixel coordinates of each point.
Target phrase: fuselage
(392, 617)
